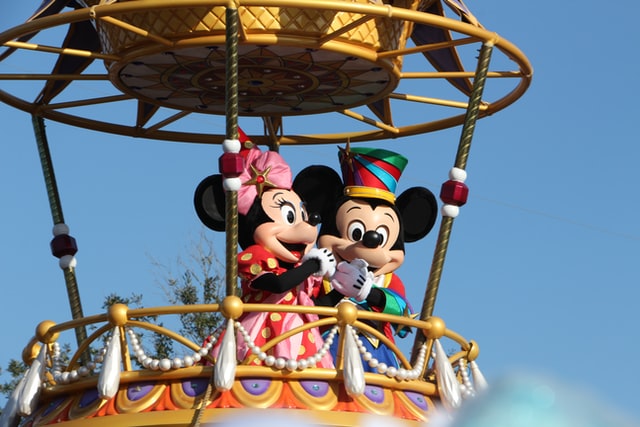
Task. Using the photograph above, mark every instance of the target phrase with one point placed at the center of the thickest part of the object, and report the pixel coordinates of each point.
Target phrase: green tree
(197, 278)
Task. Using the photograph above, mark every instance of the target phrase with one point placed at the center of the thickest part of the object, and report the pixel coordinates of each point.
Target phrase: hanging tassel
(9, 417)
(30, 391)
(109, 380)
(353, 370)
(225, 367)
(448, 385)
(478, 379)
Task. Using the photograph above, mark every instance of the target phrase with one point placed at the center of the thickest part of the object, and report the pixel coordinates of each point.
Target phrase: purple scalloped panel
(417, 399)
(194, 386)
(255, 386)
(137, 391)
(315, 388)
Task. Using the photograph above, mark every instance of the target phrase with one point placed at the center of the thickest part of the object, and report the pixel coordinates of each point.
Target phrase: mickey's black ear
(209, 202)
(419, 209)
(319, 187)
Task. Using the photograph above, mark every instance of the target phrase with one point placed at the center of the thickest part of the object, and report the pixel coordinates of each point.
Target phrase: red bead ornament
(231, 165)
(454, 193)
(62, 245)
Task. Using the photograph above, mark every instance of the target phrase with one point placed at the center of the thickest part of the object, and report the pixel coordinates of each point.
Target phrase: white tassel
(109, 380)
(448, 385)
(353, 370)
(9, 417)
(30, 391)
(225, 367)
(478, 379)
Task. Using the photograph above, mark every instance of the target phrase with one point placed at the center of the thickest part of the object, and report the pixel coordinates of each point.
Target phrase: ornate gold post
(63, 246)
(231, 106)
(460, 163)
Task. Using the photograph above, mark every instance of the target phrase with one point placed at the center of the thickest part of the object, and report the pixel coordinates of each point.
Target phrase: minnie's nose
(314, 219)
(372, 239)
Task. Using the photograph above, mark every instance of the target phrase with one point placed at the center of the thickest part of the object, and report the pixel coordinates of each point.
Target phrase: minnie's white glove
(325, 258)
(352, 279)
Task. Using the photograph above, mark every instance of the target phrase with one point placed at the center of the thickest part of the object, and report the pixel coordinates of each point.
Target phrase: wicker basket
(286, 23)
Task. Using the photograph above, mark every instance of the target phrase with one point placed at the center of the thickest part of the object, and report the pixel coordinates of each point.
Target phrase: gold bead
(118, 314)
(347, 314)
(232, 307)
(435, 328)
(30, 353)
(43, 334)
(473, 352)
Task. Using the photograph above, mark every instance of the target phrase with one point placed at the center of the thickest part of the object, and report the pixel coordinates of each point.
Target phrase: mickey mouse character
(365, 226)
(278, 264)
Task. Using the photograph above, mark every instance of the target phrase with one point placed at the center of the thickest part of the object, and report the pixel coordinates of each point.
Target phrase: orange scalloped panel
(413, 405)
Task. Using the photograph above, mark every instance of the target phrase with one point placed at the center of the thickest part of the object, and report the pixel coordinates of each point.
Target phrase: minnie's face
(368, 233)
(289, 236)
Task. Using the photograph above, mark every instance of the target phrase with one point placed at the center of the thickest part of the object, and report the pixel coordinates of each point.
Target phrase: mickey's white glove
(352, 279)
(325, 258)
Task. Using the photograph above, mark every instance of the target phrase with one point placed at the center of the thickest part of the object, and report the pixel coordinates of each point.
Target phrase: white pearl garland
(165, 364)
(282, 363)
(169, 364)
(67, 377)
(400, 374)
(466, 387)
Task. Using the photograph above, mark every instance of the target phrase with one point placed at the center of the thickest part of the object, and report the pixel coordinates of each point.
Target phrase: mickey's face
(368, 233)
(289, 236)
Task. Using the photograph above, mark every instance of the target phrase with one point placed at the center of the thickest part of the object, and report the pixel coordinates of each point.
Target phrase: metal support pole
(56, 212)
(462, 155)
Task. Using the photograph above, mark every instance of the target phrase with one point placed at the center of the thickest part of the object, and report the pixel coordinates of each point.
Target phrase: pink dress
(252, 263)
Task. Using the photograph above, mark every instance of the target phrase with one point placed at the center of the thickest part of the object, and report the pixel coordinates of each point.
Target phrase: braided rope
(56, 213)
(462, 155)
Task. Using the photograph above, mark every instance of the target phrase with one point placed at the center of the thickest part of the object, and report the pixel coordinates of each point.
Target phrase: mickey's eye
(355, 231)
(288, 214)
(384, 234)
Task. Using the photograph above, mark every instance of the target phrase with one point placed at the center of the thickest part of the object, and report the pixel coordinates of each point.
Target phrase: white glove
(352, 279)
(325, 258)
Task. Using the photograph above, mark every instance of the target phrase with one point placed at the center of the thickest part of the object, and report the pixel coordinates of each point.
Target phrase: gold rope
(58, 218)
(462, 155)
(231, 197)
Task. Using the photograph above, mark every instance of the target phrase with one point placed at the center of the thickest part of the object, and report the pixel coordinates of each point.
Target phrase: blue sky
(543, 265)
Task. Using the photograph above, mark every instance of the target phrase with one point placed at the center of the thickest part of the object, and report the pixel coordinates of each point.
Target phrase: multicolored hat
(371, 172)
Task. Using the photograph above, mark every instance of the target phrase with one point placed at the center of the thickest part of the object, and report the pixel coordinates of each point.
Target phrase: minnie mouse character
(366, 226)
(278, 264)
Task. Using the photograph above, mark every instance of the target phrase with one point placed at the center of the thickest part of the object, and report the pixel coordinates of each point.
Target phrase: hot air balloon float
(314, 306)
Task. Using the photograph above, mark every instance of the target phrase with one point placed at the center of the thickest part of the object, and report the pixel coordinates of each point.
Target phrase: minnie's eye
(355, 231)
(384, 233)
(288, 214)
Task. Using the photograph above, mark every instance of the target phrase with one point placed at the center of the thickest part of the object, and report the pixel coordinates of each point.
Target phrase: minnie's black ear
(419, 209)
(209, 202)
(319, 187)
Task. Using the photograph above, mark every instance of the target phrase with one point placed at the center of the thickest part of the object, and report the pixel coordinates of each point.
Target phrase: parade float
(277, 61)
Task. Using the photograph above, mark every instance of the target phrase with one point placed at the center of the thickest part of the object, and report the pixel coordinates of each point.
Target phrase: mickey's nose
(372, 239)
